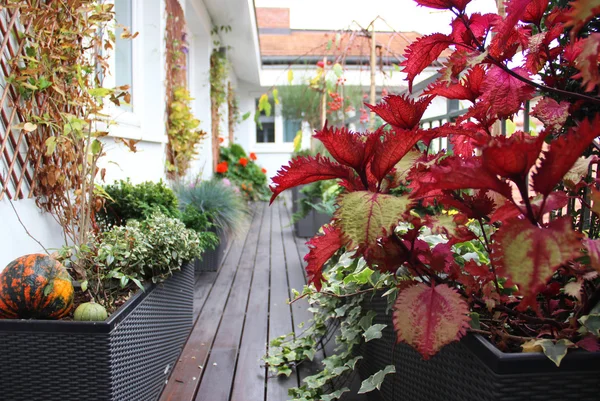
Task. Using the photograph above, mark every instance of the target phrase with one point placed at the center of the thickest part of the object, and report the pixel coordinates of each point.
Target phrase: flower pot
(474, 370)
(127, 357)
(309, 225)
(211, 259)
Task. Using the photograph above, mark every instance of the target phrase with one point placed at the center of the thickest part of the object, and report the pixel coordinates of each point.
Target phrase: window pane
(266, 133)
(123, 47)
(290, 129)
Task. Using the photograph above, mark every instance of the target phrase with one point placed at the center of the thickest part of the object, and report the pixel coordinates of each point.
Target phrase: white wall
(14, 241)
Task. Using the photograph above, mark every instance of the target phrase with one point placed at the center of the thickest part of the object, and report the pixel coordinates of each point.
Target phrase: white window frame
(279, 146)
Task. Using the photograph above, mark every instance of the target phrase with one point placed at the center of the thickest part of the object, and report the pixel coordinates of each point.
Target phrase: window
(290, 129)
(265, 129)
(123, 47)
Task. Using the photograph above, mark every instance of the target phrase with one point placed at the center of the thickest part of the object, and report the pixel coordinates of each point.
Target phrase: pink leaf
(587, 62)
(428, 318)
(346, 147)
(445, 4)
(551, 113)
(401, 112)
(505, 93)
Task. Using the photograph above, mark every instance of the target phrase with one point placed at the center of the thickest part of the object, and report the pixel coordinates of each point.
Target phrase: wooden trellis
(17, 161)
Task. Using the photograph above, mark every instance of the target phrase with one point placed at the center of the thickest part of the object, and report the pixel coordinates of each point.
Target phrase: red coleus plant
(539, 284)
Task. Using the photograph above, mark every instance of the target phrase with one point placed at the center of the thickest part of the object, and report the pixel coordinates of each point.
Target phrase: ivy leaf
(563, 154)
(401, 112)
(360, 278)
(422, 52)
(375, 381)
(364, 216)
(530, 255)
(335, 395)
(582, 12)
(555, 351)
(428, 318)
(591, 323)
(304, 170)
(322, 248)
(374, 332)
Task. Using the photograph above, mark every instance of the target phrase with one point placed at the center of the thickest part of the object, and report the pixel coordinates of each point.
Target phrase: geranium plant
(533, 282)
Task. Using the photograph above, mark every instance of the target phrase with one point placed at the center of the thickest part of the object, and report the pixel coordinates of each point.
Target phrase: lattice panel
(16, 156)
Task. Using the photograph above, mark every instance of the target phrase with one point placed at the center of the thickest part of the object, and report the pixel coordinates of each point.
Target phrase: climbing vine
(219, 68)
(182, 126)
(55, 86)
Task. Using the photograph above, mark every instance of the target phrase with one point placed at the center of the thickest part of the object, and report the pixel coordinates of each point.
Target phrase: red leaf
(512, 157)
(556, 200)
(346, 147)
(587, 62)
(590, 343)
(593, 249)
(391, 149)
(582, 12)
(551, 113)
(535, 11)
(444, 4)
(304, 170)
(455, 173)
(563, 153)
(479, 27)
(505, 93)
(428, 318)
(387, 254)
(401, 112)
(506, 29)
(468, 89)
(440, 259)
(322, 248)
(530, 255)
(421, 53)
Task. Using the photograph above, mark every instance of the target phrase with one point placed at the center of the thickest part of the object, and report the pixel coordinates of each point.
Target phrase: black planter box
(474, 370)
(127, 357)
(309, 225)
(211, 259)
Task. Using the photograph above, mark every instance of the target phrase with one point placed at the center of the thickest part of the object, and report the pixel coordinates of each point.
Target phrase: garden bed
(212, 258)
(127, 357)
(474, 370)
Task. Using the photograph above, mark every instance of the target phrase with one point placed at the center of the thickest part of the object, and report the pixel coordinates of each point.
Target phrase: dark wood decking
(238, 309)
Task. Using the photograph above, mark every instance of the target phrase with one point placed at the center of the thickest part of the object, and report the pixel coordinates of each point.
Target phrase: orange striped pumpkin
(35, 287)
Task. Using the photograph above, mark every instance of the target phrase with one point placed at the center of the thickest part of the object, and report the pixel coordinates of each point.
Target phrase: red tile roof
(273, 17)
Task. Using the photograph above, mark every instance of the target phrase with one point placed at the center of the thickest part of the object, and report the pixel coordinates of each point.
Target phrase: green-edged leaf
(335, 395)
(428, 318)
(361, 277)
(591, 323)
(352, 362)
(374, 332)
(530, 255)
(555, 351)
(375, 381)
(364, 216)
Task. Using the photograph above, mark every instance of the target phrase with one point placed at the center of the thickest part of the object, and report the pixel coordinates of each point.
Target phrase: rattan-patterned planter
(309, 225)
(127, 357)
(474, 370)
(211, 259)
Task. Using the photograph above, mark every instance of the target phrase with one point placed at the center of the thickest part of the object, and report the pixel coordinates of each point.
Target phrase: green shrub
(126, 201)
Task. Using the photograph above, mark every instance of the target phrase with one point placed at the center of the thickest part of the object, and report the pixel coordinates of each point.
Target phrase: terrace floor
(238, 309)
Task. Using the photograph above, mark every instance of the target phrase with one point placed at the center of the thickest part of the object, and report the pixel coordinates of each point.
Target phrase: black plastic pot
(309, 225)
(211, 259)
(474, 370)
(127, 357)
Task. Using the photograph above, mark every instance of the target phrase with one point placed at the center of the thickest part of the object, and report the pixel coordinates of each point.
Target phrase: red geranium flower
(243, 161)
(252, 156)
(221, 139)
(264, 170)
(222, 167)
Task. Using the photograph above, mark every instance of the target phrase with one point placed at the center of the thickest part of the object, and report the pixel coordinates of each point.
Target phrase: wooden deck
(238, 309)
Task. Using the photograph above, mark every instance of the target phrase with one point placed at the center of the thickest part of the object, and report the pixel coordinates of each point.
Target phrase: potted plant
(313, 205)
(242, 170)
(218, 207)
(496, 238)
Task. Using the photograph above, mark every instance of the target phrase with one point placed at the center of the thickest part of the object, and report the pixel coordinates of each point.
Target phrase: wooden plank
(185, 378)
(219, 371)
(250, 377)
(280, 316)
(204, 283)
(295, 269)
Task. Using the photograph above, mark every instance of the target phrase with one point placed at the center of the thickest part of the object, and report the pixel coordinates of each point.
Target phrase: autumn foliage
(508, 194)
